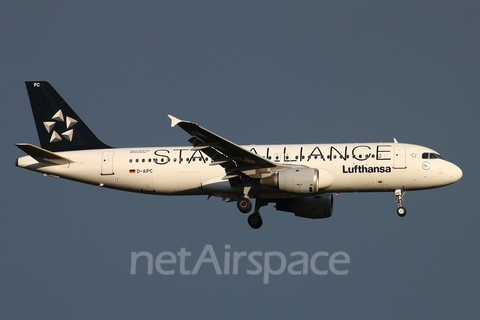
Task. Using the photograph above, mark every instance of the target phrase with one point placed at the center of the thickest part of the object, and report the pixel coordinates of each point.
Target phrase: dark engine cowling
(299, 180)
(316, 207)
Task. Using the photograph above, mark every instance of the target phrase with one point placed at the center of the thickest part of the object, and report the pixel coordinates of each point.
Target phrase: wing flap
(43, 155)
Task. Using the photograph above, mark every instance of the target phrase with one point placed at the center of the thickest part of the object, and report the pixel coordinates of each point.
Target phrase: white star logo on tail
(69, 123)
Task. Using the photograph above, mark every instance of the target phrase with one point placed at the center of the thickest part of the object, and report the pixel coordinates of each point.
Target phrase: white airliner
(298, 178)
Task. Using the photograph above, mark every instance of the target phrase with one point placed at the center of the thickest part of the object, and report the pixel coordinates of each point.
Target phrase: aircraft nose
(455, 173)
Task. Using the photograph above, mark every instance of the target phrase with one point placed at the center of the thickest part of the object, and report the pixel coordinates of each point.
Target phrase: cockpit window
(430, 155)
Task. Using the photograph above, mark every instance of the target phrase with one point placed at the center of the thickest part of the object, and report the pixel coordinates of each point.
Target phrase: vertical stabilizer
(59, 128)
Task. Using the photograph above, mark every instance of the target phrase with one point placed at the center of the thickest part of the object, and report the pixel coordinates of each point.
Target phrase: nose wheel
(401, 211)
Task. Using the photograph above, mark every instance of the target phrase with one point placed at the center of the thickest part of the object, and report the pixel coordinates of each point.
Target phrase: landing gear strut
(401, 211)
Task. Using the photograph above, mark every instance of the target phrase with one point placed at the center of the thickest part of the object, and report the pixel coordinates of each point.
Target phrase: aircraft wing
(227, 154)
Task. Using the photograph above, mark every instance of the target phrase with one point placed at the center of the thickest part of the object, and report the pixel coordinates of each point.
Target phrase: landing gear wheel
(244, 205)
(401, 211)
(255, 221)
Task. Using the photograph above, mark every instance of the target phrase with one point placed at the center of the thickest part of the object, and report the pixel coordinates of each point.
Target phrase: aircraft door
(107, 163)
(400, 159)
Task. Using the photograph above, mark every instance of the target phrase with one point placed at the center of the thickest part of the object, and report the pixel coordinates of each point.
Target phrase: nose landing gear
(401, 211)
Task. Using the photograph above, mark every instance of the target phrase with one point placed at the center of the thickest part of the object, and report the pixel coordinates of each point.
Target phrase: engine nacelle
(299, 180)
(316, 207)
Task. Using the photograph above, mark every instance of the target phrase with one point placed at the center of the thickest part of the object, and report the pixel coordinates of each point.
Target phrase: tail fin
(58, 126)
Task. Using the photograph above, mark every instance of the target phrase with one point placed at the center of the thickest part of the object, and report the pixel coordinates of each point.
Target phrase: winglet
(395, 140)
(175, 121)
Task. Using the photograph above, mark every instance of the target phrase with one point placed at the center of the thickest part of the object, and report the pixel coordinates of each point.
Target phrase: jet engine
(316, 207)
(299, 180)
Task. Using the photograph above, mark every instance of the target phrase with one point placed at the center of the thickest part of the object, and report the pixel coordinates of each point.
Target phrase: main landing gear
(401, 211)
(245, 205)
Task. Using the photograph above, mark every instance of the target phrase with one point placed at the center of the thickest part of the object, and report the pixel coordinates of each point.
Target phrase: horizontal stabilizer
(43, 155)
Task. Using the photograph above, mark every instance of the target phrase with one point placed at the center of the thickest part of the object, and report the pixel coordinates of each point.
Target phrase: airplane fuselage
(359, 167)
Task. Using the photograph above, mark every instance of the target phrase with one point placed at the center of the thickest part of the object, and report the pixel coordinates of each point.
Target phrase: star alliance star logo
(69, 123)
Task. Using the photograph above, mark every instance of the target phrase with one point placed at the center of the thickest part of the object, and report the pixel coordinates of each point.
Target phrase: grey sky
(253, 72)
